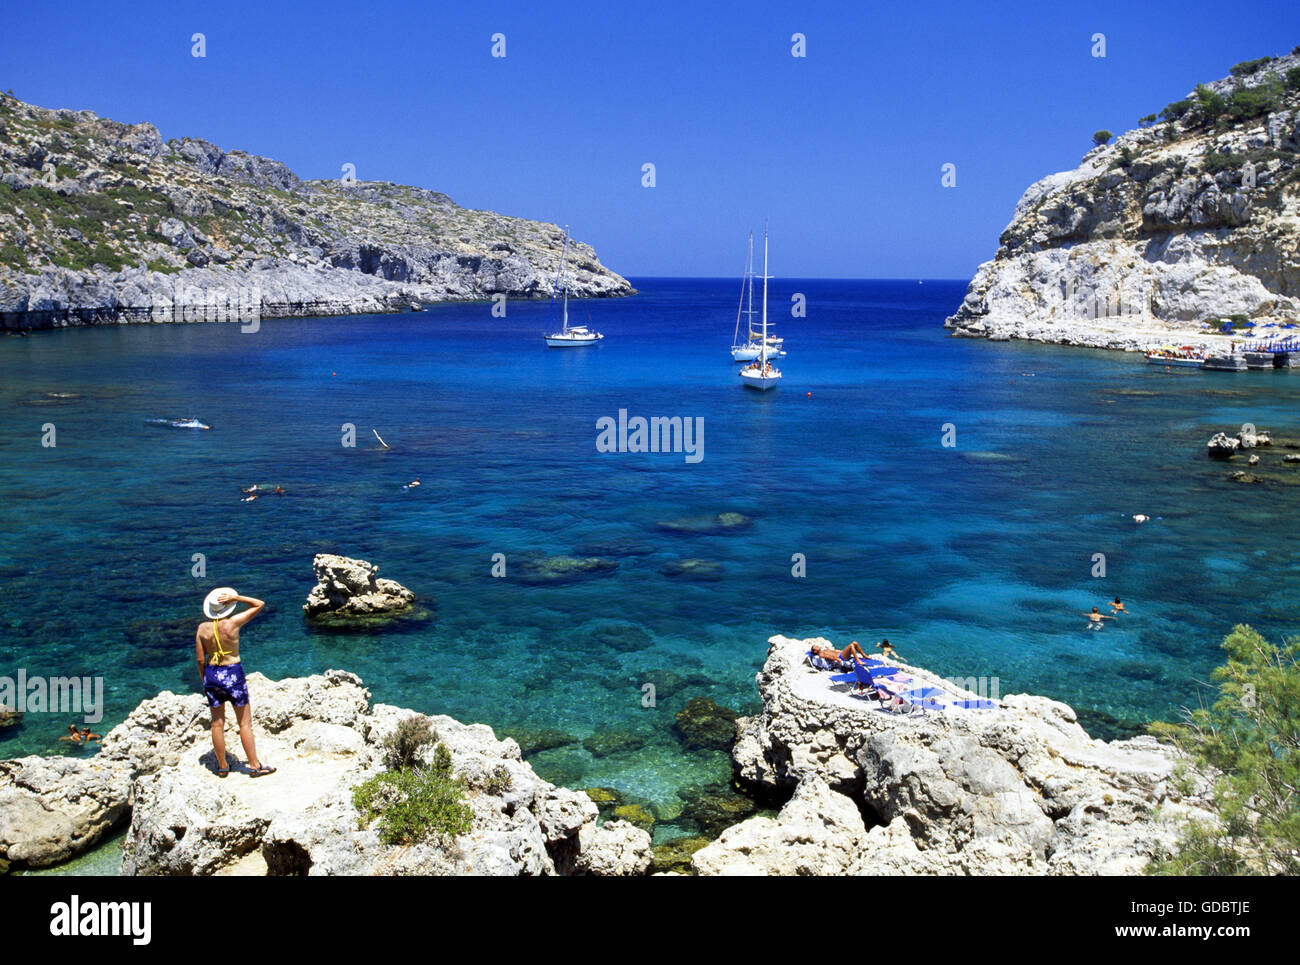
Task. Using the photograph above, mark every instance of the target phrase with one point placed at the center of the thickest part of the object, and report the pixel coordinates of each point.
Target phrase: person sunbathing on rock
(842, 657)
(216, 650)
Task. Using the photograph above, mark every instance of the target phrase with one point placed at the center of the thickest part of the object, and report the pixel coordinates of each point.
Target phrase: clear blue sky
(841, 149)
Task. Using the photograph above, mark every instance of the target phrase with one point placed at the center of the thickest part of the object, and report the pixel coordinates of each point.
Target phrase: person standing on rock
(216, 650)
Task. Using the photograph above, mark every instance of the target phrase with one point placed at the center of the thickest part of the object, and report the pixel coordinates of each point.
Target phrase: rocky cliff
(1191, 219)
(1018, 788)
(106, 222)
(156, 770)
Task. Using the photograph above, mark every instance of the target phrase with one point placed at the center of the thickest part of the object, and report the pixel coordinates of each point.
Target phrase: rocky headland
(1162, 234)
(1019, 788)
(156, 772)
(104, 222)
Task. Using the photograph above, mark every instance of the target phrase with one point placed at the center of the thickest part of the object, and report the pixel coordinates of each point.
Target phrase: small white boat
(575, 336)
(761, 374)
(190, 423)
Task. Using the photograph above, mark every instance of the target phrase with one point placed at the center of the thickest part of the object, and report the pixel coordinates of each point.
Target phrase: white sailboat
(762, 374)
(569, 336)
(752, 347)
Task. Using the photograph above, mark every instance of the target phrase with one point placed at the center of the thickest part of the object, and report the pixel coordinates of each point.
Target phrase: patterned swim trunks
(225, 683)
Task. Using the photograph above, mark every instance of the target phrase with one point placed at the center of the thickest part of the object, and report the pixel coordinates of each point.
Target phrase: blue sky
(841, 149)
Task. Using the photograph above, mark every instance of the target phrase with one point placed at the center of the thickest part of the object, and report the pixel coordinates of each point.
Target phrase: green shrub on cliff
(1209, 105)
(1101, 137)
(1248, 102)
(1293, 79)
(404, 747)
(1247, 742)
(1248, 67)
(414, 803)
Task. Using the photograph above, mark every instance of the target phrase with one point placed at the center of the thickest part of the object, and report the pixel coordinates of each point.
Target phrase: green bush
(404, 747)
(1293, 79)
(1101, 137)
(1174, 111)
(1248, 67)
(416, 804)
(1254, 101)
(1146, 121)
(1214, 163)
(1246, 743)
(1209, 105)
(499, 782)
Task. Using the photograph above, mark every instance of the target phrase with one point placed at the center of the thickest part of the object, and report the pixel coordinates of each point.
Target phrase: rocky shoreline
(106, 223)
(1016, 789)
(156, 771)
(1161, 234)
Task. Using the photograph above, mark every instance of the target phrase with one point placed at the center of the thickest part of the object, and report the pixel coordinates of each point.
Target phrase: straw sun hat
(214, 610)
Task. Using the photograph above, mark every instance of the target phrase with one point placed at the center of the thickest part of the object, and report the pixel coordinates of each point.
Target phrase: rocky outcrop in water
(1019, 788)
(103, 222)
(347, 589)
(1168, 230)
(323, 734)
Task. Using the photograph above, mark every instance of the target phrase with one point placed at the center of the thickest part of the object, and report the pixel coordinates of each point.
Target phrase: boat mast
(762, 361)
(564, 280)
(747, 280)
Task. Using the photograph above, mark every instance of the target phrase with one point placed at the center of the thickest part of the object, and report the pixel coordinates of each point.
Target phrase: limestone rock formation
(103, 222)
(325, 738)
(1019, 788)
(351, 588)
(1165, 232)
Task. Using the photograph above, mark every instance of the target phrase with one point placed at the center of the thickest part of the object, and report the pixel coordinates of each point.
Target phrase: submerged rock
(611, 742)
(674, 857)
(711, 808)
(719, 524)
(556, 570)
(636, 814)
(623, 637)
(704, 723)
(533, 740)
(700, 571)
(347, 589)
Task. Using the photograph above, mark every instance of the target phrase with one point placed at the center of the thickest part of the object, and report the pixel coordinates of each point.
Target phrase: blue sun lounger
(873, 681)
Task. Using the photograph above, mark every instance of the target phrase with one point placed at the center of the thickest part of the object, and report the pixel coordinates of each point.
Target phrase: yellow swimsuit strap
(220, 651)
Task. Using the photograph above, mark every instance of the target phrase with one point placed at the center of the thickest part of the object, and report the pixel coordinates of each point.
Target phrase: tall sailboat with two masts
(761, 374)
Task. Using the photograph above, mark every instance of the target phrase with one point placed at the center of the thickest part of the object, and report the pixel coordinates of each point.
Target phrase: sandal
(223, 771)
(261, 771)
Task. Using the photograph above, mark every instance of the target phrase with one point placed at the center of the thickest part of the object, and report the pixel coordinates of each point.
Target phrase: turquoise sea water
(975, 560)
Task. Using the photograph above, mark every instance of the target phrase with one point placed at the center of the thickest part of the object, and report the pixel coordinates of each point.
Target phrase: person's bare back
(229, 630)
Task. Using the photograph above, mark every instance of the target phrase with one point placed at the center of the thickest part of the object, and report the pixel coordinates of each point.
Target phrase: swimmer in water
(86, 735)
(1140, 518)
(73, 734)
(1095, 618)
(887, 649)
(1117, 606)
(412, 484)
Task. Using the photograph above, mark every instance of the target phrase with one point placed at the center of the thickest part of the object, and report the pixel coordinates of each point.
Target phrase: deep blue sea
(975, 560)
